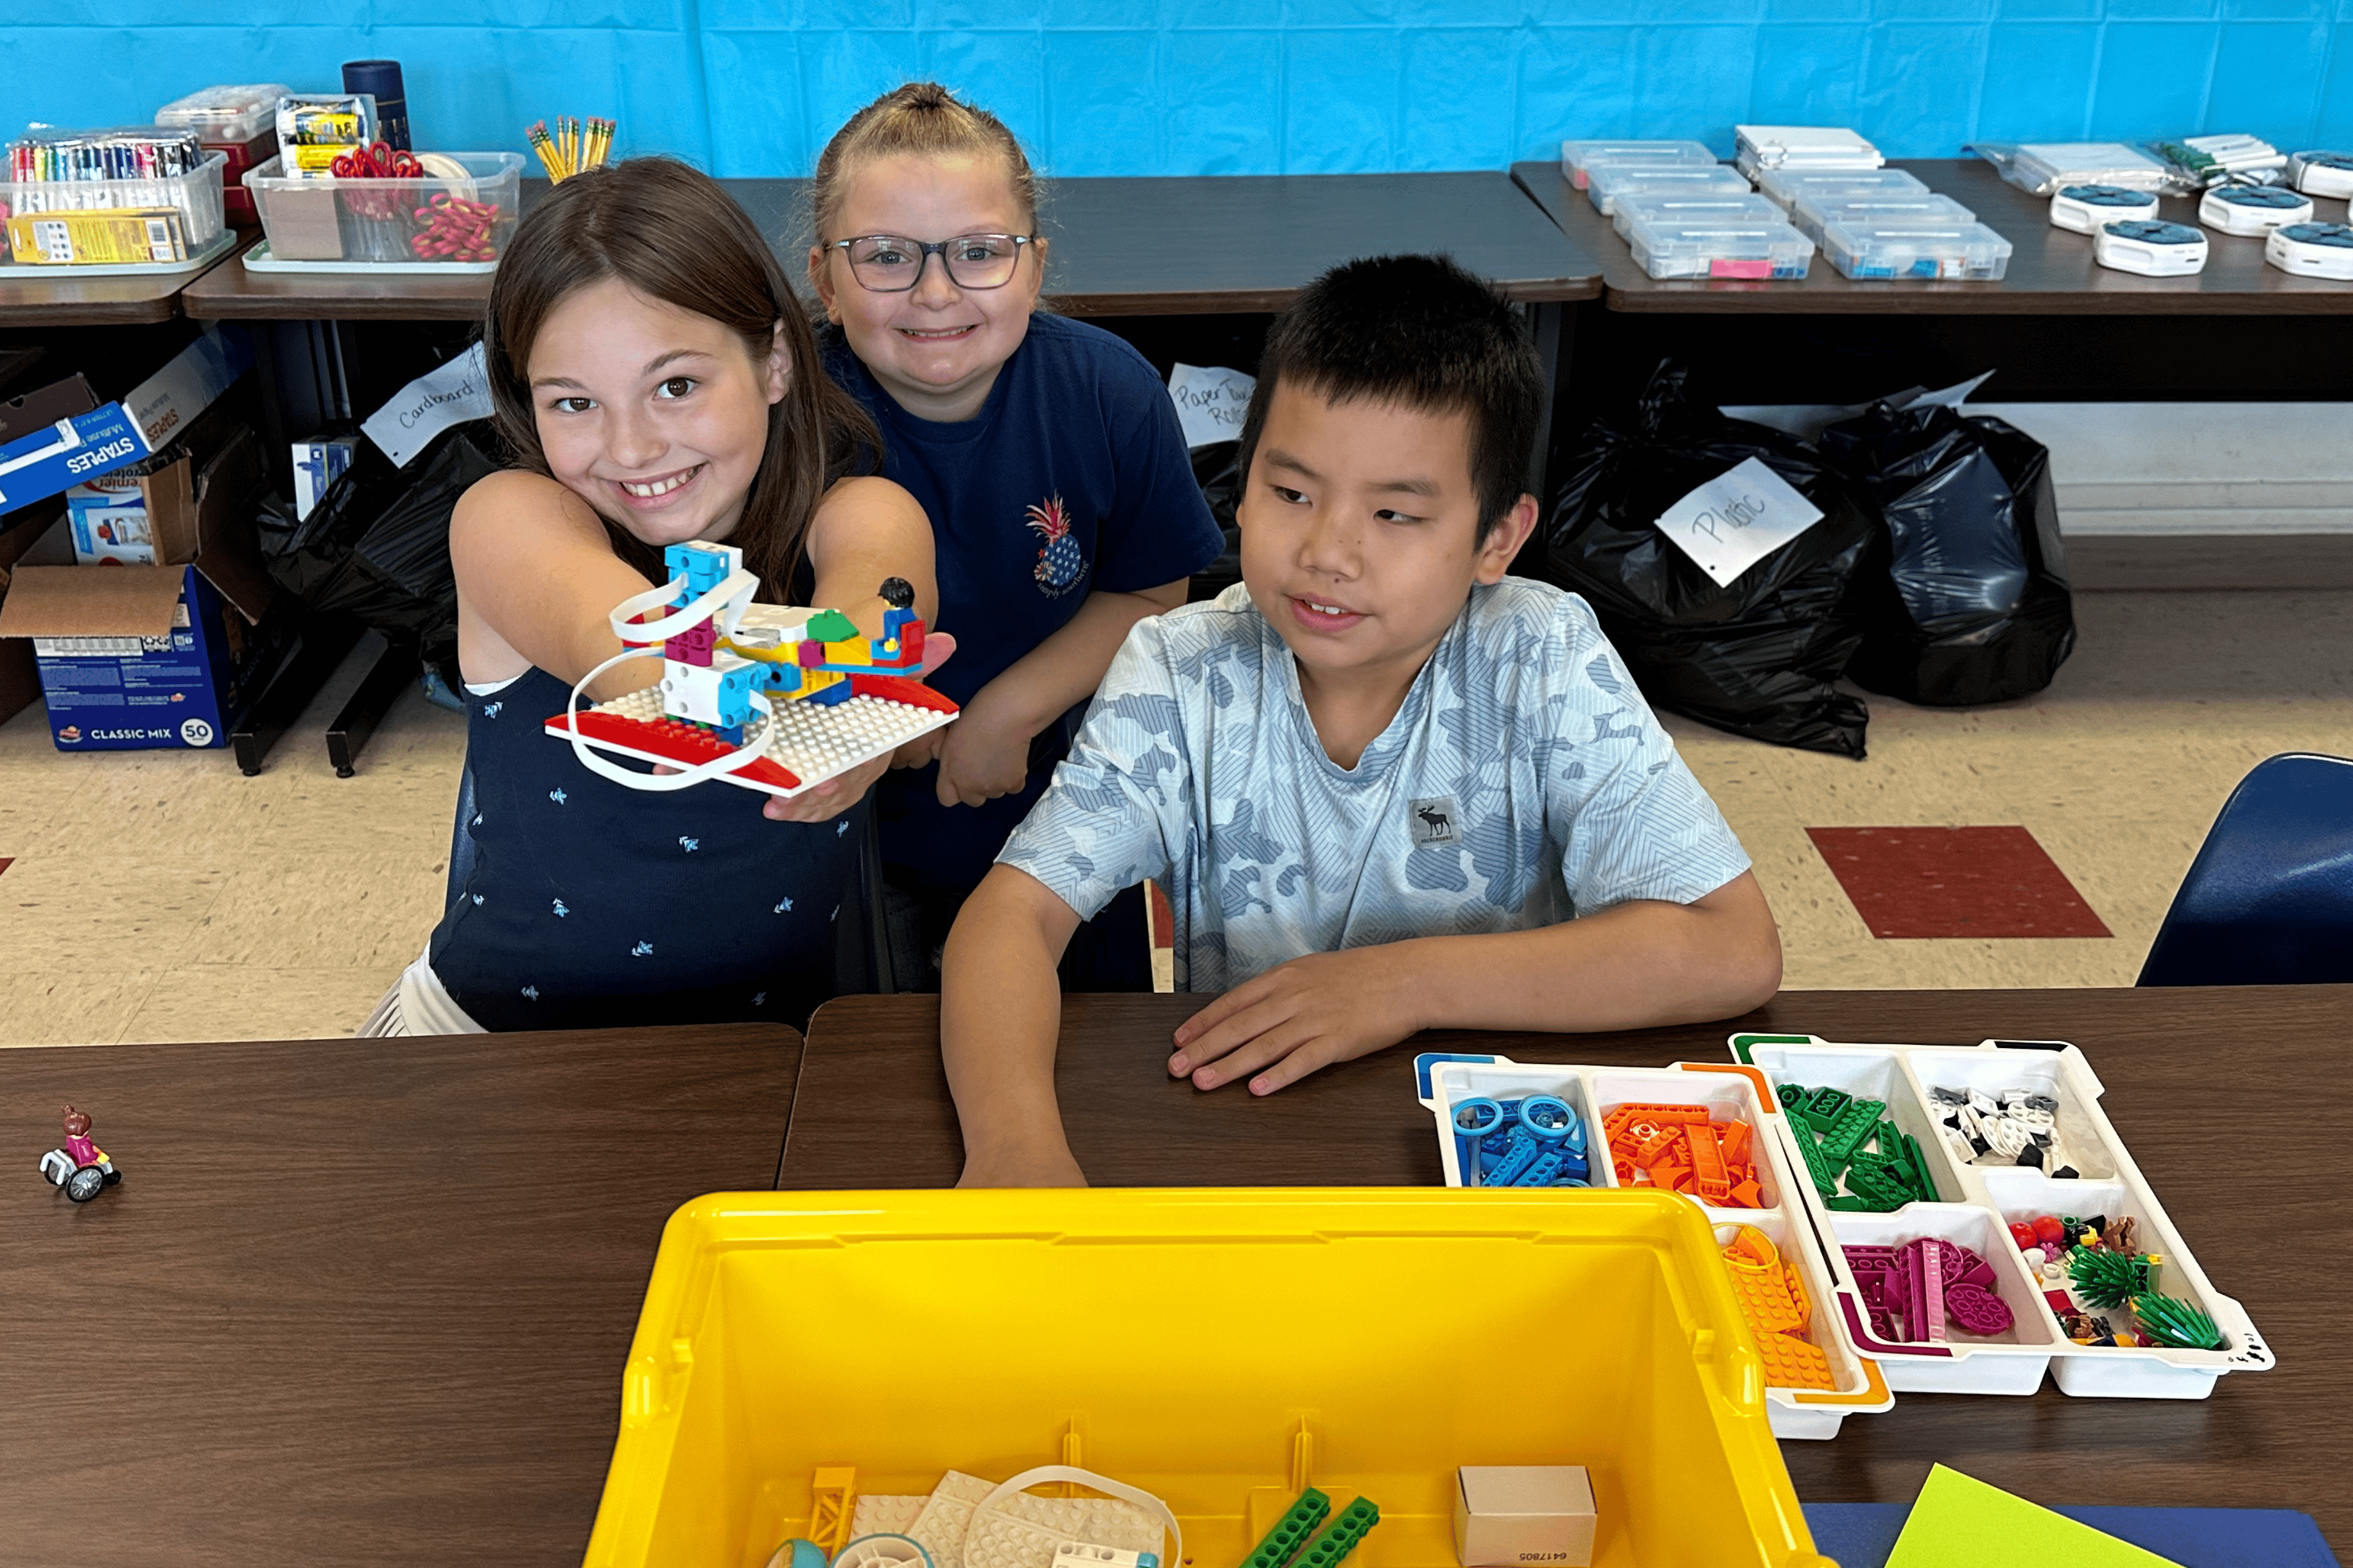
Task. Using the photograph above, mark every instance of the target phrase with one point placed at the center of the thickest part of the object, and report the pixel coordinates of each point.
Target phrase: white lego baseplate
(809, 743)
(1017, 1531)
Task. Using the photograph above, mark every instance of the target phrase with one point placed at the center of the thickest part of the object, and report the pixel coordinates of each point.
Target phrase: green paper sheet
(1962, 1523)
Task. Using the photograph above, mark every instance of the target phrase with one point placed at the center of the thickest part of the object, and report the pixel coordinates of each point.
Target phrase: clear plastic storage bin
(226, 114)
(193, 200)
(1577, 157)
(1627, 211)
(1606, 183)
(1814, 209)
(1965, 252)
(1750, 247)
(432, 221)
(1785, 186)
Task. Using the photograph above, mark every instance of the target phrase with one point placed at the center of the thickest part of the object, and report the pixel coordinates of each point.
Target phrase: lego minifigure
(81, 1167)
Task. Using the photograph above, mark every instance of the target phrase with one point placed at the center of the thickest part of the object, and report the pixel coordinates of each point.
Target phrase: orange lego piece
(1658, 1146)
(1737, 1143)
(1744, 1196)
(1791, 1362)
(1670, 1177)
(1773, 1298)
(1708, 1174)
(1666, 1115)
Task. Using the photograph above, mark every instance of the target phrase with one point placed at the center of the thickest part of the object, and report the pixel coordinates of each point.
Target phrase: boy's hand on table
(1296, 1018)
(984, 754)
(839, 794)
(1027, 1168)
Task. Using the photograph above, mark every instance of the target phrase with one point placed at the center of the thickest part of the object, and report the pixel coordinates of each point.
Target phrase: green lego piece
(1824, 1106)
(2171, 1321)
(1825, 1176)
(832, 626)
(1883, 1194)
(1298, 1522)
(1885, 1164)
(2106, 1279)
(1340, 1537)
(1789, 1094)
(1852, 1130)
(1924, 1185)
(1847, 1202)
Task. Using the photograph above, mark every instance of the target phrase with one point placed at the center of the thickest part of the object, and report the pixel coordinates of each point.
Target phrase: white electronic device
(2251, 209)
(2322, 173)
(2151, 248)
(2084, 209)
(2311, 249)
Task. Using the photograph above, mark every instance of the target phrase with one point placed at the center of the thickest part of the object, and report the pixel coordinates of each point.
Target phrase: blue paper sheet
(1860, 1534)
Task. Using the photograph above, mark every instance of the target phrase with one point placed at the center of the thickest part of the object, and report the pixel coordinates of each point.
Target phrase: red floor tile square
(1953, 881)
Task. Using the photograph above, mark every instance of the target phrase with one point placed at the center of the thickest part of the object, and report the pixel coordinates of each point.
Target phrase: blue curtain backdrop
(1192, 86)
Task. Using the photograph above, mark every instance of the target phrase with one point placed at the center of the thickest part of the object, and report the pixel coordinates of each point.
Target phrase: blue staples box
(78, 447)
(140, 657)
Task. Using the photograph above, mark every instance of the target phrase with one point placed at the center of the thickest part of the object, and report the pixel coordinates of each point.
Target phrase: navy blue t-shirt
(1072, 477)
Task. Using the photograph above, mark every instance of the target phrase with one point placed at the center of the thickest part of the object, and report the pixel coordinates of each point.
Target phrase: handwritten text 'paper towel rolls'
(1737, 519)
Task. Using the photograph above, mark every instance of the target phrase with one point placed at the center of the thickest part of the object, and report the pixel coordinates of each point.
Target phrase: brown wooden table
(1121, 247)
(2051, 271)
(354, 1302)
(2226, 1097)
(45, 297)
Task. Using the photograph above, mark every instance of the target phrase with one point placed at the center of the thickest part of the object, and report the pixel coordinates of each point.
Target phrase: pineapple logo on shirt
(1059, 563)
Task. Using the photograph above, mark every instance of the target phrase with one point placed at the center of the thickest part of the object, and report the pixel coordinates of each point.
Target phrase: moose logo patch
(1432, 821)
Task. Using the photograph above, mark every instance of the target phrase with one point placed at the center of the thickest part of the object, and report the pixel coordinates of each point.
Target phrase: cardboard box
(134, 657)
(1506, 1515)
(318, 464)
(20, 682)
(67, 449)
(146, 514)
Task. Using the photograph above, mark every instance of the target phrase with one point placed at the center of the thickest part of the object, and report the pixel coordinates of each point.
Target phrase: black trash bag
(1760, 657)
(1216, 468)
(376, 547)
(1975, 606)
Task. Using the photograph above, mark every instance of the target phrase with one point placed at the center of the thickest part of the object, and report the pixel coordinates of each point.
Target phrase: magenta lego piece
(1924, 1290)
(1977, 1310)
(809, 654)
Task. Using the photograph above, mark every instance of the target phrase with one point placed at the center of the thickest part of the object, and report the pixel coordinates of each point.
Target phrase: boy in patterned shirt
(1385, 787)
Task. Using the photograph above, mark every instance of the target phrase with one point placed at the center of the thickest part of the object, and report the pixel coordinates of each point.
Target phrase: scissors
(376, 161)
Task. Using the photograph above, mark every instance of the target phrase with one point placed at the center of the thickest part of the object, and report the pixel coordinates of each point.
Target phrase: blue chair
(2269, 900)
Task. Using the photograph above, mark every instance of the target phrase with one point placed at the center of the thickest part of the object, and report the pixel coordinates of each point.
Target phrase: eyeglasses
(893, 264)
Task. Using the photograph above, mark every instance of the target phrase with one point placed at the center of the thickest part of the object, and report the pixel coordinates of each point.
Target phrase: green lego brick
(1924, 1185)
(1298, 1522)
(1825, 1176)
(1824, 1106)
(1852, 1129)
(1846, 1203)
(1882, 1194)
(1340, 1537)
(1789, 1094)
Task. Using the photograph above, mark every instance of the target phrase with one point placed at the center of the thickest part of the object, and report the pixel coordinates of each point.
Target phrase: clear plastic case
(1810, 212)
(434, 220)
(226, 113)
(1577, 157)
(1751, 247)
(1949, 251)
(1606, 183)
(2042, 167)
(189, 204)
(1631, 210)
(1783, 188)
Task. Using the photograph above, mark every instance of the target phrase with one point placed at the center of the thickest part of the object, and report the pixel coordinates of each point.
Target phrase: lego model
(81, 1167)
(764, 696)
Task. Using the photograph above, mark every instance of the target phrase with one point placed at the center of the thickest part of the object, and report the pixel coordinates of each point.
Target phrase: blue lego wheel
(1547, 1117)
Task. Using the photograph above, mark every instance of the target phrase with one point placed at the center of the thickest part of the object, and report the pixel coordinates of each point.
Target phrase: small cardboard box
(1507, 1515)
(145, 514)
(134, 657)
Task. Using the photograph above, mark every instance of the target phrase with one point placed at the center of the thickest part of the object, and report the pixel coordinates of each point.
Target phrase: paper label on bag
(1737, 519)
(1209, 402)
(458, 392)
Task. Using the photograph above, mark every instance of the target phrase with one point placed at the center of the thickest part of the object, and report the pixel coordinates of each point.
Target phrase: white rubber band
(750, 751)
(1120, 1489)
(723, 604)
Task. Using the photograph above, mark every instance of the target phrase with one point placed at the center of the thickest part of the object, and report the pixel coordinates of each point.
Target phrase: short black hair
(1420, 333)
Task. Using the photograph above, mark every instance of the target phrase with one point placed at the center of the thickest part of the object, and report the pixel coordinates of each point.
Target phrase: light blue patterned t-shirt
(1522, 782)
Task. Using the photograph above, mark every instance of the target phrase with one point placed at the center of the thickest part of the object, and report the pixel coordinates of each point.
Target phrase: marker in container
(2150, 249)
(2084, 209)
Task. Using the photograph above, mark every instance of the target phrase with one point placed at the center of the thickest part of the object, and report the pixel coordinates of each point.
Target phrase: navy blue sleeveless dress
(591, 905)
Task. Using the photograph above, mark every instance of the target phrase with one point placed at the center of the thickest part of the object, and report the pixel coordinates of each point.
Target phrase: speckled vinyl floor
(163, 896)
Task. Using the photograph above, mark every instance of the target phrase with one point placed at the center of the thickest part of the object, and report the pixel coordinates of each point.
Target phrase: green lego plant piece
(1290, 1532)
(2171, 1321)
(1824, 1175)
(2106, 1279)
(1340, 1537)
(1851, 1131)
(1824, 1106)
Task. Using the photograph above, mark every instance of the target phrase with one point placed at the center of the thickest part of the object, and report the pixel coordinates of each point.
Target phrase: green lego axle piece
(1293, 1528)
(1340, 1536)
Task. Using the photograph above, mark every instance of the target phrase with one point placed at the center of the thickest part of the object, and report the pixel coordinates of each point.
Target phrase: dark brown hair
(922, 118)
(1419, 332)
(672, 234)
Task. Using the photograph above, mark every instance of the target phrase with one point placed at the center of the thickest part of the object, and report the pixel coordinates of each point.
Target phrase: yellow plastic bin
(1219, 1348)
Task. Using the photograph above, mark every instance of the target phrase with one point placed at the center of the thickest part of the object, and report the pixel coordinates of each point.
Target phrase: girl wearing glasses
(656, 377)
(1045, 451)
